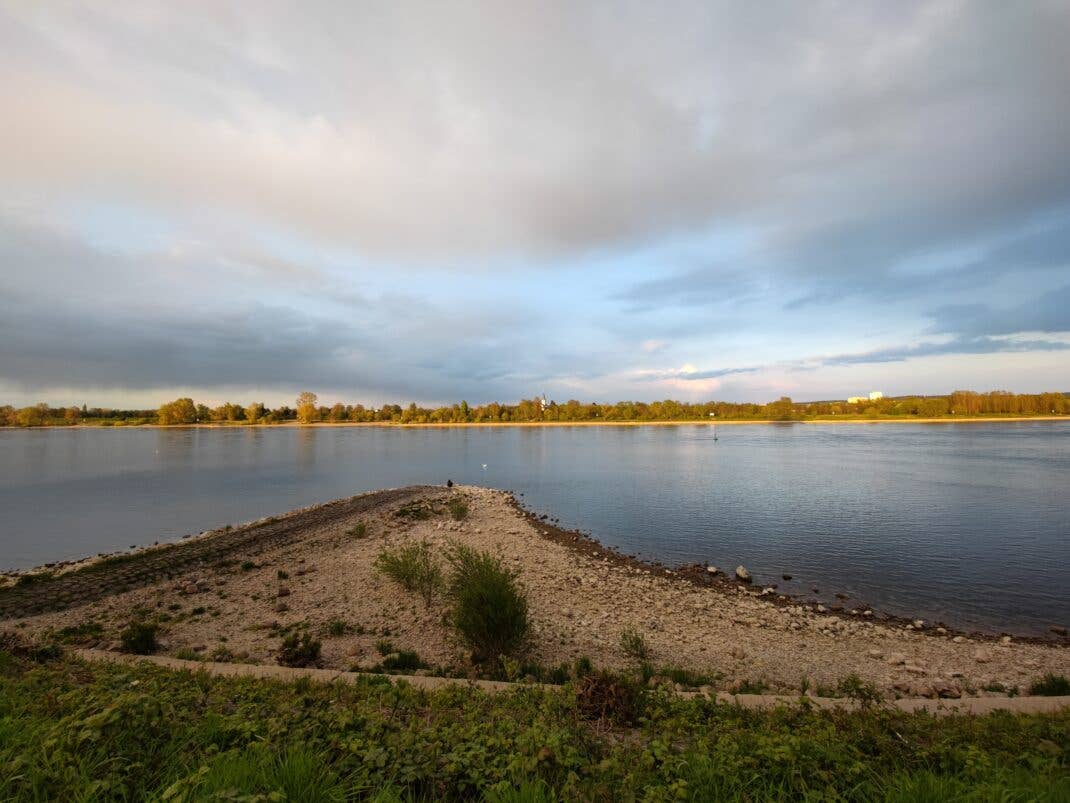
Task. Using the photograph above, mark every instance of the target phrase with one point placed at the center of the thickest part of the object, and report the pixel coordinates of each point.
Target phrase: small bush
(299, 651)
(139, 638)
(634, 645)
(35, 577)
(186, 654)
(248, 566)
(358, 530)
(489, 609)
(1051, 686)
(402, 661)
(854, 688)
(609, 698)
(416, 511)
(413, 567)
(282, 575)
(384, 647)
(582, 667)
(752, 687)
(458, 509)
(336, 627)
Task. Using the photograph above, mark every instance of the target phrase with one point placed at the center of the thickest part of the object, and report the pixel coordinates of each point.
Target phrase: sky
(393, 202)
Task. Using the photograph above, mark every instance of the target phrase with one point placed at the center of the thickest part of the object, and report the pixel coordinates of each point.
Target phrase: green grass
(77, 731)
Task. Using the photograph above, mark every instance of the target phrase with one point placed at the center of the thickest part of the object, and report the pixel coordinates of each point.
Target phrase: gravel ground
(581, 598)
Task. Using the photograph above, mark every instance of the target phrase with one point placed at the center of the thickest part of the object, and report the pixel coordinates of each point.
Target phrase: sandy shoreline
(233, 604)
(479, 424)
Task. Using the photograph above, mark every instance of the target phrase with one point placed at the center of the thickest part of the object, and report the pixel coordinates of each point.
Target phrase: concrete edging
(965, 705)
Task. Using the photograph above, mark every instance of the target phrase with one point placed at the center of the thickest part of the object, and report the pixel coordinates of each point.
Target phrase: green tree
(179, 411)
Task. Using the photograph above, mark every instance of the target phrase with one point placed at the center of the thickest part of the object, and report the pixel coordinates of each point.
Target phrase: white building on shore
(873, 396)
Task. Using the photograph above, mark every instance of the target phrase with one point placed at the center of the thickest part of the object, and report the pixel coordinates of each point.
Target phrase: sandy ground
(581, 599)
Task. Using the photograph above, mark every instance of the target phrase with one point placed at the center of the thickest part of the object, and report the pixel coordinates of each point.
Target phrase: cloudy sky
(432, 201)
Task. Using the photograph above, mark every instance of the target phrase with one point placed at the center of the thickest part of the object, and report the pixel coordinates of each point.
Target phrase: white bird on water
(484, 466)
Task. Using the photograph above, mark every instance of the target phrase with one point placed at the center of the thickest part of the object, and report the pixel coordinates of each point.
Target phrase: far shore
(476, 424)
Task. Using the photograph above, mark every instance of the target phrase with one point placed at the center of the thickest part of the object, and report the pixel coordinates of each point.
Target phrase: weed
(582, 667)
(359, 530)
(458, 509)
(248, 566)
(609, 698)
(854, 688)
(413, 567)
(634, 645)
(414, 511)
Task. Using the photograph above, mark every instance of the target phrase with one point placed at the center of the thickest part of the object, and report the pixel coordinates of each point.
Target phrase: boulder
(713, 570)
(742, 574)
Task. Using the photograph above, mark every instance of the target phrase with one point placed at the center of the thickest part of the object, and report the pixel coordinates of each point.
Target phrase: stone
(959, 639)
(713, 570)
(786, 576)
(1005, 640)
(283, 591)
(875, 654)
(896, 658)
(281, 607)
(190, 589)
(742, 574)
(982, 656)
(918, 623)
(915, 670)
(1057, 630)
(945, 690)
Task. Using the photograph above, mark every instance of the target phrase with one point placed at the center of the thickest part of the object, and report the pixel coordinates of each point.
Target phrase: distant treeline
(307, 410)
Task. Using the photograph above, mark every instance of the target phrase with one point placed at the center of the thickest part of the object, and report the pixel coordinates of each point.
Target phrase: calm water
(966, 523)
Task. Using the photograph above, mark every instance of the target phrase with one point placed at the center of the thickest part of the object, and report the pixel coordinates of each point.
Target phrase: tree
(307, 412)
(180, 411)
(254, 412)
(71, 415)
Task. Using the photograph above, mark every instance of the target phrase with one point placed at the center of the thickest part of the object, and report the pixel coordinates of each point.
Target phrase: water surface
(965, 523)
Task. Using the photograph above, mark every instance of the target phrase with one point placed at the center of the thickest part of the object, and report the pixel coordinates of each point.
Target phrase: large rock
(742, 574)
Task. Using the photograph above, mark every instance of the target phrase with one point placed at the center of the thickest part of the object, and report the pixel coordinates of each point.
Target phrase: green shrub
(634, 645)
(413, 567)
(458, 509)
(358, 530)
(299, 651)
(416, 511)
(582, 666)
(186, 654)
(489, 609)
(854, 688)
(384, 647)
(248, 566)
(402, 661)
(139, 638)
(1051, 686)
